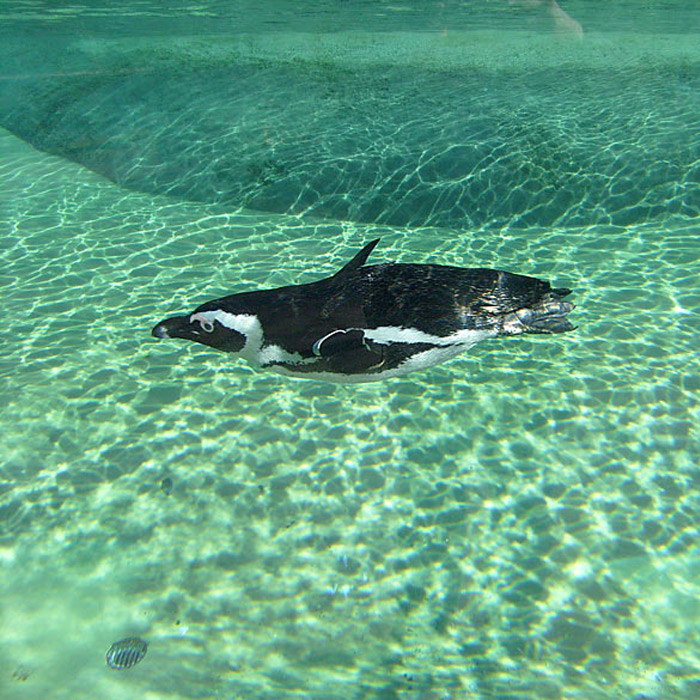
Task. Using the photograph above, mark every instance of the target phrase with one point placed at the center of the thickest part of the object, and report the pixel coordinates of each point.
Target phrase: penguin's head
(215, 328)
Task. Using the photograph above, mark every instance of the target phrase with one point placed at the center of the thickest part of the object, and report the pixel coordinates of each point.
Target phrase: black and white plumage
(367, 323)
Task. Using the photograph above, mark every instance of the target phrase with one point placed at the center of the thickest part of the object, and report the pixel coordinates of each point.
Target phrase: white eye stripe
(205, 321)
(247, 325)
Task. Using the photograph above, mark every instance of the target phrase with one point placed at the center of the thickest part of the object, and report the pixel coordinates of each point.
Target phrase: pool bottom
(516, 523)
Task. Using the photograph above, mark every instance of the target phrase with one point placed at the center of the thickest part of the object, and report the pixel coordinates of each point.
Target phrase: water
(519, 523)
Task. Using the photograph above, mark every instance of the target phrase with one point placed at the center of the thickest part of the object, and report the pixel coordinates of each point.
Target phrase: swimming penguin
(367, 323)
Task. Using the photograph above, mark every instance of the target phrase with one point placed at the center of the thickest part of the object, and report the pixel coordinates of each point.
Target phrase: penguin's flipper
(349, 352)
(357, 262)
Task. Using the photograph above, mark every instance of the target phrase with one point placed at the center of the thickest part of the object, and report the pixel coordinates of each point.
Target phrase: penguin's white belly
(445, 349)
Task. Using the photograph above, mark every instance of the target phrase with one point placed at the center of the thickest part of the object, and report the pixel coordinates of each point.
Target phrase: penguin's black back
(440, 300)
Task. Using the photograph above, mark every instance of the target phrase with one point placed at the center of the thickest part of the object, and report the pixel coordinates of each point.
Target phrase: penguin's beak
(160, 331)
(175, 327)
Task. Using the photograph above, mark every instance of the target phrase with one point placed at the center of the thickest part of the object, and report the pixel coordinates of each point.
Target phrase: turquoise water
(516, 524)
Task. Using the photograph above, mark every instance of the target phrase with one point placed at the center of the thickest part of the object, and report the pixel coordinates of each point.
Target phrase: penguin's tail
(547, 316)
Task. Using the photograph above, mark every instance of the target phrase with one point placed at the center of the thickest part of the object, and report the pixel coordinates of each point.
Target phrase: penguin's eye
(207, 326)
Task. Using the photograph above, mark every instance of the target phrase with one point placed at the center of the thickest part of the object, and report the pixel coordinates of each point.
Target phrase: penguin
(371, 322)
